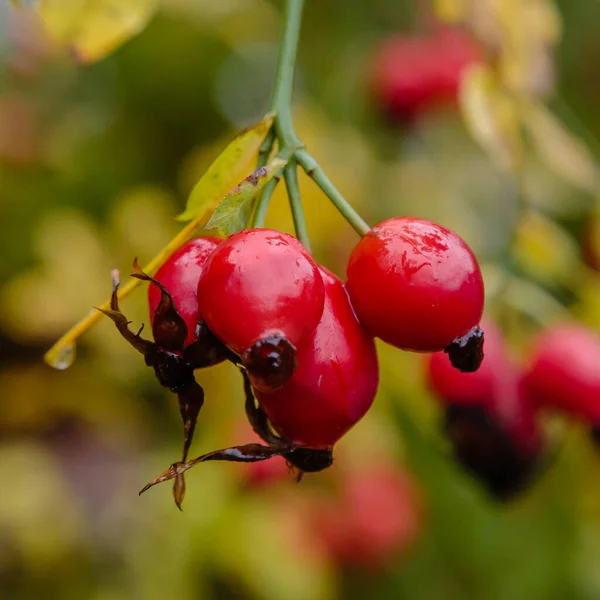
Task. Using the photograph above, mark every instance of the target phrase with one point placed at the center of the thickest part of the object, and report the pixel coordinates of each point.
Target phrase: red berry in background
(415, 284)
(262, 295)
(335, 381)
(375, 518)
(180, 275)
(491, 425)
(495, 374)
(411, 75)
(564, 372)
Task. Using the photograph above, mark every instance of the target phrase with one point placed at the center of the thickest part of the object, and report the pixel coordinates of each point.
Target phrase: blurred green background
(95, 160)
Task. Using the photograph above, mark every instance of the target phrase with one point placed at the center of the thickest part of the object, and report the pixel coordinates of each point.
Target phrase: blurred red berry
(491, 425)
(564, 371)
(262, 295)
(411, 74)
(335, 381)
(415, 284)
(180, 275)
(376, 517)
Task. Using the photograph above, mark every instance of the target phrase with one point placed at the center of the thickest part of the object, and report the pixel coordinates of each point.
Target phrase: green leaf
(94, 28)
(225, 170)
(234, 211)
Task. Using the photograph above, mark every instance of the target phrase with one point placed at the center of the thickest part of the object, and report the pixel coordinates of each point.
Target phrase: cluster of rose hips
(491, 416)
(411, 75)
(302, 339)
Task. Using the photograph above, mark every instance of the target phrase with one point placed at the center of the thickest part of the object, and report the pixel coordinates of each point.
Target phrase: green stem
(290, 175)
(262, 204)
(264, 151)
(281, 102)
(260, 213)
(316, 173)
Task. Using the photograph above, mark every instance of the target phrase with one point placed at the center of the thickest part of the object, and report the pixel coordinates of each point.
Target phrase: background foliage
(98, 156)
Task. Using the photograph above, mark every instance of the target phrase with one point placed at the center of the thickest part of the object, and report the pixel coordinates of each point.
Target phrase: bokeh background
(97, 157)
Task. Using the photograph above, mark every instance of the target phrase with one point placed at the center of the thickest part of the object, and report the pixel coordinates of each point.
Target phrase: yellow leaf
(224, 171)
(450, 11)
(94, 28)
(491, 115)
(564, 153)
(545, 250)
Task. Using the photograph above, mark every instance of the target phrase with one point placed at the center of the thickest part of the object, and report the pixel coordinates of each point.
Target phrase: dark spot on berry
(270, 362)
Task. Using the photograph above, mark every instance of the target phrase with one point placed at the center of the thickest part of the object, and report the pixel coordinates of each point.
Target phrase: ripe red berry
(411, 75)
(415, 284)
(564, 372)
(376, 516)
(180, 275)
(262, 295)
(335, 381)
(487, 417)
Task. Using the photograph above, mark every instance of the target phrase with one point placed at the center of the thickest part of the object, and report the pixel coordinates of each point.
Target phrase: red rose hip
(180, 275)
(564, 372)
(262, 295)
(331, 389)
(411, 75)
(415, 284)
(335, 381)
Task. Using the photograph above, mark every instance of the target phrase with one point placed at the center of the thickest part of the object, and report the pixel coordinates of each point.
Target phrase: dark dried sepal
(270, 362)
(120, 320)
(466, 352)
(168, 328)
(309, 460)
(257, 418)
(207, 350)
(247, 453)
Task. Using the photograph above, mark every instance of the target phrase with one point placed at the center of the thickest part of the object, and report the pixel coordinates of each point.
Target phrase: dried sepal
(122, 323)
(247, 453)
(168, 329)
(466, 352)
(256, 416)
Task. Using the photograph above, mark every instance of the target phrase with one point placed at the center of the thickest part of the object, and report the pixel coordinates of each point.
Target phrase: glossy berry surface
(262, 295)
(415, 284)
(564, 372)
(335, 381)
(180, 275)
(411, 75)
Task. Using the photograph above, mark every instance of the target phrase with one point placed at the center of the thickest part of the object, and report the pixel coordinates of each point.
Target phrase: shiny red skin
(260, 282)
(564, 372)
(496, 387)
(180, 275)
(335, 381)
(377, 516)
(412, 75)
(415, 284)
